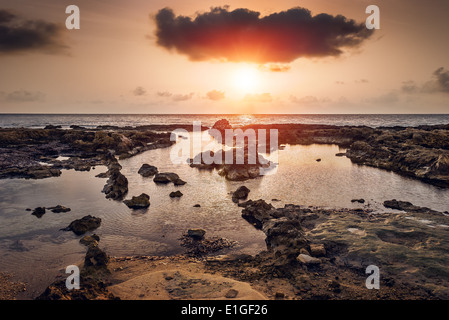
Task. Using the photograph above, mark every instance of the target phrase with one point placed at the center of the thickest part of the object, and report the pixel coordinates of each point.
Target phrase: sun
(246, 79)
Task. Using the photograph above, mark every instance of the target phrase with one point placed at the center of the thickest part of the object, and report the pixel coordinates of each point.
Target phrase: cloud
(308, 100)
(243, 35)
(23, 96)
(19, 35)
(215, 95)
(139, 91)
(164, 94)
(391, 97)
(275, 67)
(439, 84)
(182, 97)
(362, 81)
(261, 97)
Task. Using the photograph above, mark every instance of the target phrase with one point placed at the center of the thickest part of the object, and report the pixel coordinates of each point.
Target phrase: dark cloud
(439, 84)
(19, 35)
(23, 96)
(215, 95)
(243, 35)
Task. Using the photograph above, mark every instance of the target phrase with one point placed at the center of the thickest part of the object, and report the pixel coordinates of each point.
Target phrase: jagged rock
(95, 257)
(83, 225)
(38, 212)
(176, 194)
(90, 241)
(147, 170)
(257, 212)
(240, 194)
(139, 202)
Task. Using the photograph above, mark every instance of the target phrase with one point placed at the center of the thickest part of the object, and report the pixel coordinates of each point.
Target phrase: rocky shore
(311, 252)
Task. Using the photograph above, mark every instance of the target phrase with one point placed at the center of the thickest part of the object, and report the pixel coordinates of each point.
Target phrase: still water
(35, 249)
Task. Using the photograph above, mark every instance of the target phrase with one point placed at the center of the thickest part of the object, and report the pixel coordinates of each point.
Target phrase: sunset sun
(246, 79)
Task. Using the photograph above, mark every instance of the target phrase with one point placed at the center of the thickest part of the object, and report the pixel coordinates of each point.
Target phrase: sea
(36, 251)
(94, 120)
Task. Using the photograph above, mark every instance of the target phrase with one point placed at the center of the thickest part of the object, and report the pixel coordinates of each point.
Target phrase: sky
(198, 56)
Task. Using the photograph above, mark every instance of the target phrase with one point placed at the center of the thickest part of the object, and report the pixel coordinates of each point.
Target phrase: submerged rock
(83, 225)
(407, 206)
(90, 241)
(139, 202)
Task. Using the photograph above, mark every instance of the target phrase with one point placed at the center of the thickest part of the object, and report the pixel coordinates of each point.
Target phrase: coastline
(420, 152)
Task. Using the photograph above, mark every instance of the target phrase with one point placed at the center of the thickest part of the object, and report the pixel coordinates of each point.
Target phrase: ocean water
(36, 250)
(93, 120)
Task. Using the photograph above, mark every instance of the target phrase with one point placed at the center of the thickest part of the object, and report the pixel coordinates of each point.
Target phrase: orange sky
(113, 64)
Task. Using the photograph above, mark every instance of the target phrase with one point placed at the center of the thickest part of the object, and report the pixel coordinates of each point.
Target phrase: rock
(308, 260)
(285, 237)
(317, 250)
(147, 171)
(196, 233)
(52, 127)
(318, 160)
(222, 125)
(165, 177)
(179, 182)
(340, 154)
(38, 212)
(358, 200)
(231, 294)
(90, 241)
(176, 194)
(407, 206)
(241, 193)
(279, 295)
(117, 185)
(59, 208)
(257, 212)
(95, 257)
(83, 225)
(197, 205)
(139, 202)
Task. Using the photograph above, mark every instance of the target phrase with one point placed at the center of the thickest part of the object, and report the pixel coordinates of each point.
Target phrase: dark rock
(358, 200)
(257, 212)
(165, 177)
(38, 212)
(176, 194)
(407, 206)
(95, 257)
(51, 127)
(231, 294)
(222, 125)
(240, 194)
(318, 160)
(139, 202)
(147, 170)
(90, 241)
(196, 233)
(197, 205)
(340, 154)
(83, 225)
(317, 250)
(59, 209)
(179, 182)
